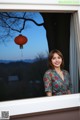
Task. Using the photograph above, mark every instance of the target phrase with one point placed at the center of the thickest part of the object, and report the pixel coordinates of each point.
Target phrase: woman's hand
(69, 92)
(49, 93)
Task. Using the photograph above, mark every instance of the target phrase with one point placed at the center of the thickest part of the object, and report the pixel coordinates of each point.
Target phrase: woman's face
(56, 60)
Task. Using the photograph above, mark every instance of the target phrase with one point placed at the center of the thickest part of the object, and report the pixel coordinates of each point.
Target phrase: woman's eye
(56, 58)
(59, 57)
(53, 58)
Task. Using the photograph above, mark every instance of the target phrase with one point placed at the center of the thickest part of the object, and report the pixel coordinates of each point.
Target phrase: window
(45, 8)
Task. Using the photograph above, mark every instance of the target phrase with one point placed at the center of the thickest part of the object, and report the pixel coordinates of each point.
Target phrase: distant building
(13, 78)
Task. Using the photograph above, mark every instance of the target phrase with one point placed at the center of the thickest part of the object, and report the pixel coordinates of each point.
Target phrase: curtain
(74, 53)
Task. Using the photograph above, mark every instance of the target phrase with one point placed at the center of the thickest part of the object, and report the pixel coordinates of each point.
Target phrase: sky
(36, 45)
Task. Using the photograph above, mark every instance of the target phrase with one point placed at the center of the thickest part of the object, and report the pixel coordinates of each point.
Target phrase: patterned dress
(54, 83)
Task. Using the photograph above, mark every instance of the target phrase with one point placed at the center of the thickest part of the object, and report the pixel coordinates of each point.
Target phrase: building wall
(21, 106)
(64, 114)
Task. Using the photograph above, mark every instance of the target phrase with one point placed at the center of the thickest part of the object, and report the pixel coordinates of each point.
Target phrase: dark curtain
(57, 27)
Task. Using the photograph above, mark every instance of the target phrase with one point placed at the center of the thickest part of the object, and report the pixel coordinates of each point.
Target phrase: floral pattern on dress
(54, 83)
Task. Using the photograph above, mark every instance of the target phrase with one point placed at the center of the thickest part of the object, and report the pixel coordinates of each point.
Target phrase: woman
(56, 79)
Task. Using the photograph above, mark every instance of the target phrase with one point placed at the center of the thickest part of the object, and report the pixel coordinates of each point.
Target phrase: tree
(11, 22)
(57, 27)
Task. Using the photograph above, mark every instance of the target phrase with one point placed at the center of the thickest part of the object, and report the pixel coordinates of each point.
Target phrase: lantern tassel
(21, 46)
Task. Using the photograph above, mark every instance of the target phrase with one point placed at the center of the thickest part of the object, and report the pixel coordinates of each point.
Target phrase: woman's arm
(70, 84)
(47, 83)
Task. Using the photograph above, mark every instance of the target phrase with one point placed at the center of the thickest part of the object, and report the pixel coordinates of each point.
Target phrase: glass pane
(22, 69)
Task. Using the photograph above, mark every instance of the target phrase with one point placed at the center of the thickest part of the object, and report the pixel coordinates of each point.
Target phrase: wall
(64, 114)
(47, 103)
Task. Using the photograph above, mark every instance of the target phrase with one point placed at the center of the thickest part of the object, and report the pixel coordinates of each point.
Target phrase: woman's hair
(51, 56)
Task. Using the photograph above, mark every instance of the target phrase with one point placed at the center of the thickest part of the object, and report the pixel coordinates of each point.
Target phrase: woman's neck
(58, 69)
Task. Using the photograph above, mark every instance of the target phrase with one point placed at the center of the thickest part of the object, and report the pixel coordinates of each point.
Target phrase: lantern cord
(21, 54)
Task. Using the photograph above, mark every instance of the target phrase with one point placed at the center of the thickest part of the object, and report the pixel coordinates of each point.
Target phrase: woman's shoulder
(49, 71)
(65, 71)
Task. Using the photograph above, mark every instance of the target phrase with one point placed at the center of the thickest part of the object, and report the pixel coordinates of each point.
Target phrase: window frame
(25, 106)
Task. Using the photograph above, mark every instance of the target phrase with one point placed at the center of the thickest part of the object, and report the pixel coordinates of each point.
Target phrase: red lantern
(20, 40)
